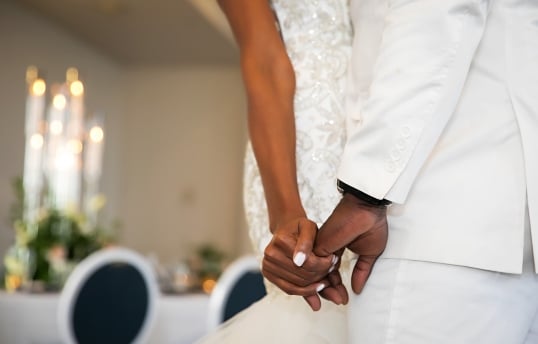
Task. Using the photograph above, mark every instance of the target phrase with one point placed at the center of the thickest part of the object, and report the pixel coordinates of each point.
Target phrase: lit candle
(74, 132)
(35, 105)
(75, 125)
(32, 178)
(94, 152)
(93, 155)
(55, 148)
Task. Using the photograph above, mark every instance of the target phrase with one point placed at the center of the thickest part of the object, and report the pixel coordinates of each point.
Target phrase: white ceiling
(145, 32)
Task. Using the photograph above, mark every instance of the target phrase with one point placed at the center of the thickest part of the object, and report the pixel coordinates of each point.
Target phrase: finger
(292, 289)
(314, 268)
(283, 243)
(345, 224)
(335, 263)
(305, 241)
(296, 276)
(313, 301)
(332, 294)
(361, 272)
(335, 278)
(336, 291)
(281, 261)
(317, 264)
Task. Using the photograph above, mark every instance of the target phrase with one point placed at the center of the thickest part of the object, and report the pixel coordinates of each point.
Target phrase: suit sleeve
(424, 56)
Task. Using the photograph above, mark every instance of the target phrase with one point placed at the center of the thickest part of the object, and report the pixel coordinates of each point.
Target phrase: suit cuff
(345, 188)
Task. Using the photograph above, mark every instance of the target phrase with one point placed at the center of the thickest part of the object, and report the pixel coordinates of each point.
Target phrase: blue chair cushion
(111, 307)
(247, 290)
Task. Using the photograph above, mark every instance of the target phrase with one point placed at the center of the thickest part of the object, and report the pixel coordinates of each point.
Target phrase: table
(31, 318)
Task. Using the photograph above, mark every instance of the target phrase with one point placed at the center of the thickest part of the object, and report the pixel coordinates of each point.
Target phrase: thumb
(361, 272)
(305, 241)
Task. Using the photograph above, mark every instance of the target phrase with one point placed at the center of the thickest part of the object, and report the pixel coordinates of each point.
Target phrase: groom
(441, 157)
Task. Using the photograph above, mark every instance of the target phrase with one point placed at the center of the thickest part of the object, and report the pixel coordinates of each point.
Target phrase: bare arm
(270, 85)
(269, 80)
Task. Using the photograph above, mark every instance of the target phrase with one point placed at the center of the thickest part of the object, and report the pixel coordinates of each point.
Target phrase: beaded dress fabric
(317, 35)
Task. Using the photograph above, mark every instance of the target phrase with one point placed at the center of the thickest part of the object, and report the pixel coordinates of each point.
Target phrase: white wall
(174, 139)
(185, 140)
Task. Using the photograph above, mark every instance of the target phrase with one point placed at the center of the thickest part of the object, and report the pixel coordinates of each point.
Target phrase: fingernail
(320, 287)
(331, 269)
(299, 258)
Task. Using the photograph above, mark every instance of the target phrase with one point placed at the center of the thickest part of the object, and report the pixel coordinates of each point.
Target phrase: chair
(239, 286)
(109, 297)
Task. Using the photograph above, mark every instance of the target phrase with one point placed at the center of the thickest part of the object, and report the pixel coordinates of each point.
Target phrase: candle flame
(36, 141)
(76, 88)
(31, 74)
(96, 134)
(75, 146)
(71, 74)
(59, 101)
(39, 87)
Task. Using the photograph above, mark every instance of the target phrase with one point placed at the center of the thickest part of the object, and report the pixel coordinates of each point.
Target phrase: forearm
(270, 84)
(272, 133)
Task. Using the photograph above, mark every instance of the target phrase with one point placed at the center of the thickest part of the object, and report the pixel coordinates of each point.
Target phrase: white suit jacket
(442, 119)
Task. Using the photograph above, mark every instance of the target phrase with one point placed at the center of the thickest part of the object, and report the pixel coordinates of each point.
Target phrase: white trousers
(412, 302)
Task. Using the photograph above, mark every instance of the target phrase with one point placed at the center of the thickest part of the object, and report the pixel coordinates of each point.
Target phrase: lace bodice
(317, 35)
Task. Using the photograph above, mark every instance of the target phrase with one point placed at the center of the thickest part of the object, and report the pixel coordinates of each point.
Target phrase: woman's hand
(290, 264)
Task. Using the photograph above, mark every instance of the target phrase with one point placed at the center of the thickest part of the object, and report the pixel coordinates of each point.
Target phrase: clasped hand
(303, 261)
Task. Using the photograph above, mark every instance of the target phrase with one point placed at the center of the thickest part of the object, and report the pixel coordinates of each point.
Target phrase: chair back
(108, 298)
(239, 286)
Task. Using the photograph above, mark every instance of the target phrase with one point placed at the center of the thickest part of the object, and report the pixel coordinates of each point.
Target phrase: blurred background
(166, 76)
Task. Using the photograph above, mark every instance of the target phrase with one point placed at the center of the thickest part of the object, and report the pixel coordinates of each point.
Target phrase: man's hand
(360, 227)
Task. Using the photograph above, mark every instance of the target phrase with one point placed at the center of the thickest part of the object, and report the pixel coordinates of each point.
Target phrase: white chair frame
(223, 288)
(85, 269)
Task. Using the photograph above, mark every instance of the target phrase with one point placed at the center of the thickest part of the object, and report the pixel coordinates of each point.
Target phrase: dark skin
(270, 84)
(355, 225)
(360, 227)
(269, 81)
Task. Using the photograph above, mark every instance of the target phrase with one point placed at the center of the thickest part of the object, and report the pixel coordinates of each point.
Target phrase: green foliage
(57, 241)
(211, 261)
(57, 230)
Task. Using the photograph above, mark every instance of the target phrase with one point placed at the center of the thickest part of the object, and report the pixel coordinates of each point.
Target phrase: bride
(294, 57)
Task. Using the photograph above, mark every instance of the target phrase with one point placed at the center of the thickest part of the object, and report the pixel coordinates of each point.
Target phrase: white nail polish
(320, 287)
(332, 268)
(335, 260)
(299, 258)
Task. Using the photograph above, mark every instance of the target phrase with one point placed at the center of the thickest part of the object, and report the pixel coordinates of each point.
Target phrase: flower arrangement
(45, 252)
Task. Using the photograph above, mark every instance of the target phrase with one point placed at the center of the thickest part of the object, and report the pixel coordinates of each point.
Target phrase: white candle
(93, 156)
(32, 178)
(94, 151)
(76, 110)
(74, 132)
(55, 149)
(35, 106)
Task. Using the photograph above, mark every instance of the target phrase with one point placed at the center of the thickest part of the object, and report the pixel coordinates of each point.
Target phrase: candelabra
(60, 183)
(62, 152)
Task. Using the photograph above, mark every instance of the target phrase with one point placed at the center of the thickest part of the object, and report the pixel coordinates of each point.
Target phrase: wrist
(282, 218)
(361, 196)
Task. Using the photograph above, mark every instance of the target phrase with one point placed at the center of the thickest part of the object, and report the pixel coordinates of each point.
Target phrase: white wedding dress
(317, 35)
